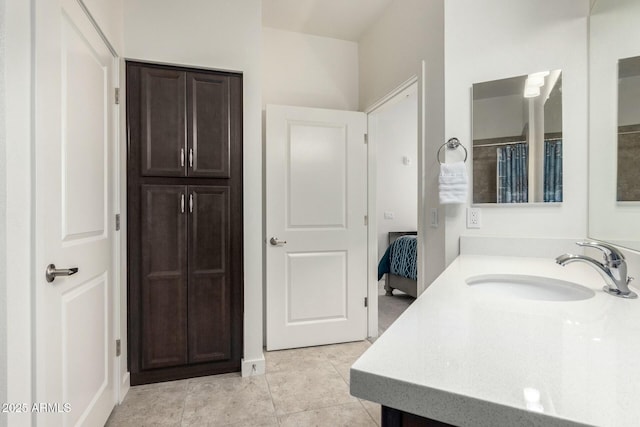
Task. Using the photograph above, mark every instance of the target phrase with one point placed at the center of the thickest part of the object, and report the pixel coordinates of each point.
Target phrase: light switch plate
(434, 217)
(389, 215)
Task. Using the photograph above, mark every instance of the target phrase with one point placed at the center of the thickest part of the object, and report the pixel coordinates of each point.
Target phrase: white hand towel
(453, 183)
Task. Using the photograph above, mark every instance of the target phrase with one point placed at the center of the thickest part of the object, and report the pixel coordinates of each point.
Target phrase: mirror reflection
(628, 129)
(517, 139)
(614, 113)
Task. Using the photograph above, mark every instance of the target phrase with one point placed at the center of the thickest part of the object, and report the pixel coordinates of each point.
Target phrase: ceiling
(340, 19)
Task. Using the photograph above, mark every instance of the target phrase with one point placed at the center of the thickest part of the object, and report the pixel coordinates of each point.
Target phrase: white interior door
(316, 203)
(74, 137)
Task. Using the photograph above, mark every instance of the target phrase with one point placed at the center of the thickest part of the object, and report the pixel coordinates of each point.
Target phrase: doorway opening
(393, 134)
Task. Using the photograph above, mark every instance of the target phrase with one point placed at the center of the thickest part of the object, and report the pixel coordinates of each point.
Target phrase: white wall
(391, 51)
(396, 136)
(309, 71)
(407, 32)
(108, 15)
(495, 39)
(224, 35)
(19, 281)
(3, 220)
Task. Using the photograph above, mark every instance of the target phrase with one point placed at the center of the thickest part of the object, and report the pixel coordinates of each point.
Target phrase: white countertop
(459, 356)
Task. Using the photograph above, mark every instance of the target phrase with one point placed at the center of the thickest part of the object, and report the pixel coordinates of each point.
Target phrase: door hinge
(366, 220)
(117, 95)
(117, 222)
(366, 302)
(366, 138)
(118, 348)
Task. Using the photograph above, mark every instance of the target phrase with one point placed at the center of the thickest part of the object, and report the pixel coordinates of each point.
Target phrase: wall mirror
(628, 176)
(614, 122)
(517, 139)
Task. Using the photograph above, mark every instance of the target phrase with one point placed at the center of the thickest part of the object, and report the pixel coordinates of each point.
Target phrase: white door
(316, 203)
(74, 137)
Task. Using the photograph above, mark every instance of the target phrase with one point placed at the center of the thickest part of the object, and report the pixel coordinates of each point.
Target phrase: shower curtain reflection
(513, 181)
(553, 170)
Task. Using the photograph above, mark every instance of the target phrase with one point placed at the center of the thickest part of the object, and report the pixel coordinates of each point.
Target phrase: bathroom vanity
(476, 350)
(469, 352)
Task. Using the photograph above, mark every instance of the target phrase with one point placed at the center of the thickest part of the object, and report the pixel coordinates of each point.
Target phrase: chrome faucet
(613, 269)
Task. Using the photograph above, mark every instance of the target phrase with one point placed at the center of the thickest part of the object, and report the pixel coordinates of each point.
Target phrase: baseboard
(253, 367)
(125, 385)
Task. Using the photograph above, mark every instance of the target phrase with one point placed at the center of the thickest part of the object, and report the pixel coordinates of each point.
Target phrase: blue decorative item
(400, 258)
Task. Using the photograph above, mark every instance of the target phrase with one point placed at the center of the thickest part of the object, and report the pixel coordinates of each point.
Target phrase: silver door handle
(52, 272)
(191, 202)
(275, 242)
(182, 203)
(182, 157)
(191, 158)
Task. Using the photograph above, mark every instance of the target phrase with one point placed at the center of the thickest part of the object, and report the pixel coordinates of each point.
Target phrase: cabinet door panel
(209, 275)
(164, 276)
(163, 126)
(209, 121)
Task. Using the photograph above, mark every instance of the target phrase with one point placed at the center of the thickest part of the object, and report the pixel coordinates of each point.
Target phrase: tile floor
(391, 307)
(302, 387)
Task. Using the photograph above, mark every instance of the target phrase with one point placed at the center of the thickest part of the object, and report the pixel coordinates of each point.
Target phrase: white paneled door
(316, 245)
(74, 137)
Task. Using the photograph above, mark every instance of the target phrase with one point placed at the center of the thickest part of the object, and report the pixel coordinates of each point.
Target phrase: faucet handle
(611, 254)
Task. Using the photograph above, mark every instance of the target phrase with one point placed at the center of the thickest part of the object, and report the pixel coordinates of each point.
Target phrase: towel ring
(452, 144)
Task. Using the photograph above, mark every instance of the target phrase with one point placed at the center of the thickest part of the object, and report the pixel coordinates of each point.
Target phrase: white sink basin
(529, 287)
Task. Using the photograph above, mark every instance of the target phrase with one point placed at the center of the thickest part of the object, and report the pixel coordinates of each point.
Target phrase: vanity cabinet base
(394, 418)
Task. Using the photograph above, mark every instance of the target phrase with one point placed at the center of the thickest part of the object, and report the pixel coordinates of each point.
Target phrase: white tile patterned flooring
(301, 387)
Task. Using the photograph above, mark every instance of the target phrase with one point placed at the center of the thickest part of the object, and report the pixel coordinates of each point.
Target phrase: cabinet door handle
(191, 158)
(182, 203)
(191, 202)
(182, 157)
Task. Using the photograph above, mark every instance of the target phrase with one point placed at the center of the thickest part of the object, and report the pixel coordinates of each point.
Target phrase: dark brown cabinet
(163, 124)
(164, 272)
(390, 417)
(185, 125)
(208, 134)
(209, 293)
(185, 222)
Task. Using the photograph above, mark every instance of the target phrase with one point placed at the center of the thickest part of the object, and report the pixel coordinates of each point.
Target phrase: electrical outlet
(474, 220)
(389, 215)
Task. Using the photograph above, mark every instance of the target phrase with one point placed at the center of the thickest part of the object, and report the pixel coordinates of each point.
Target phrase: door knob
(275, 242)
(52, 272)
